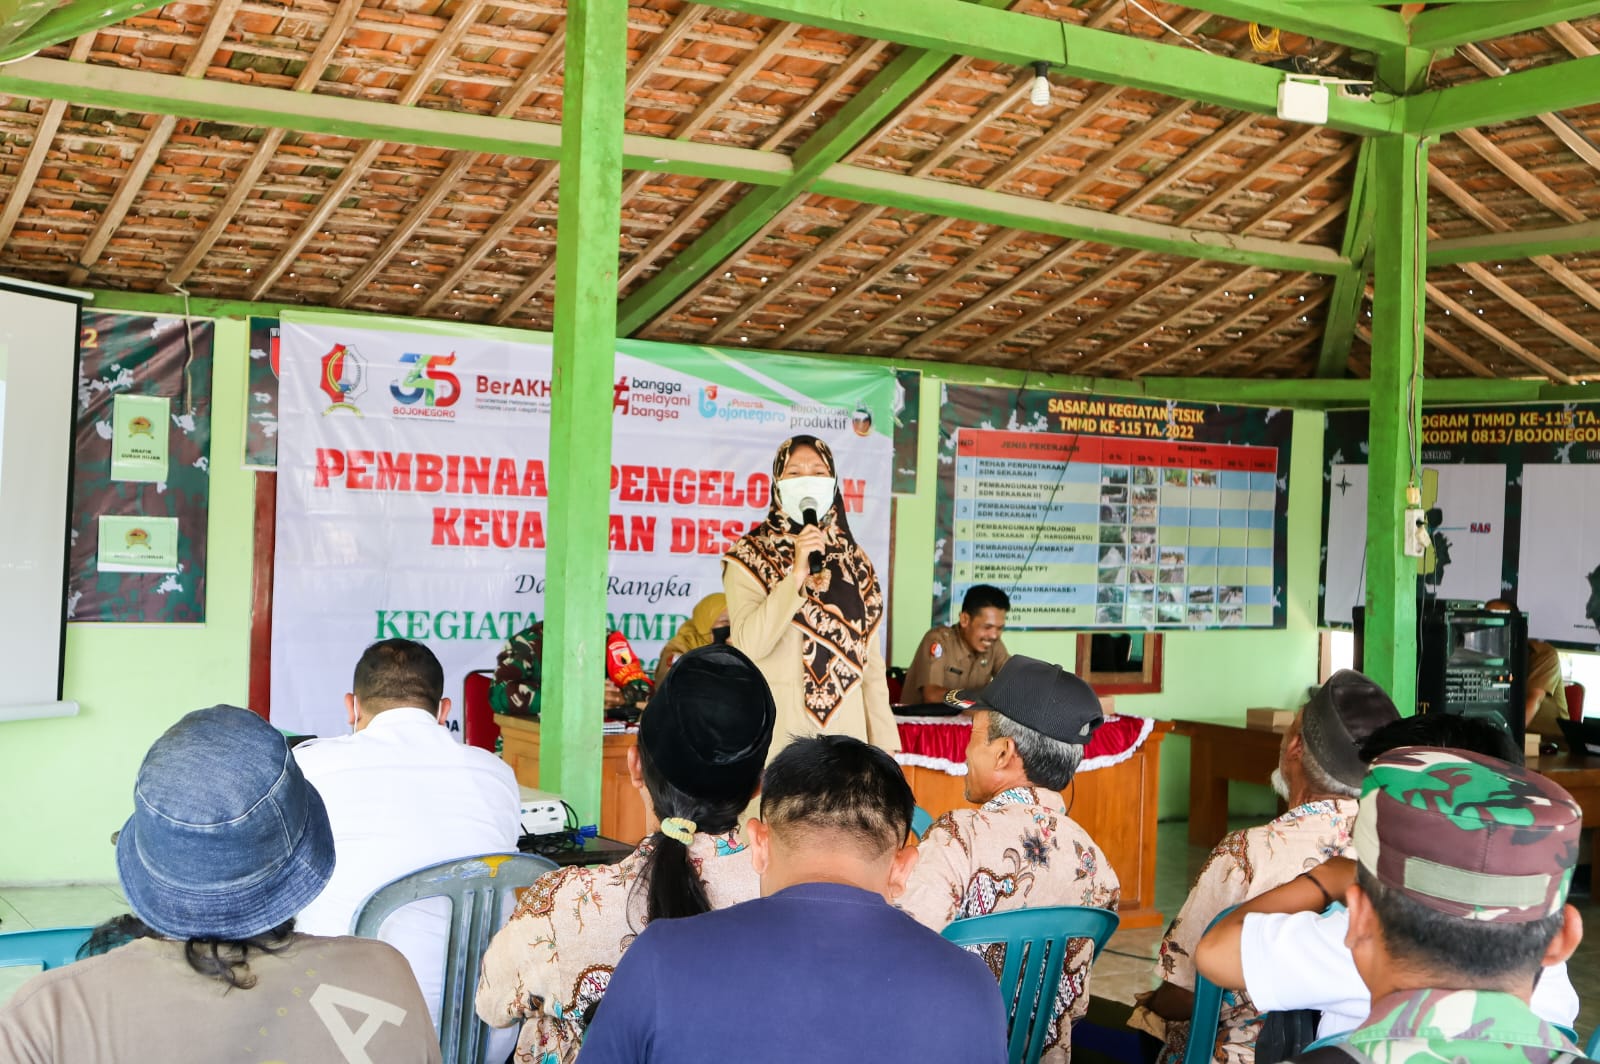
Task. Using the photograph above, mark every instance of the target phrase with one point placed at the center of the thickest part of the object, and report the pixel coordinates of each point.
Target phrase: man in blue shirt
(821, 967)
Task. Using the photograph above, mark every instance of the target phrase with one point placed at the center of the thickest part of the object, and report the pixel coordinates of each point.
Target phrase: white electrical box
(1417, 540)
(542, 813)
(1303, 101)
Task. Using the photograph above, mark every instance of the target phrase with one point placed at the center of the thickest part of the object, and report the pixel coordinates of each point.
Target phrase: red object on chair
(477, 716)
(1575, 701)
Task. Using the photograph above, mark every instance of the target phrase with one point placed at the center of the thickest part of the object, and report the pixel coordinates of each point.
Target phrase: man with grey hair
(1319, 775)
(1030, 725)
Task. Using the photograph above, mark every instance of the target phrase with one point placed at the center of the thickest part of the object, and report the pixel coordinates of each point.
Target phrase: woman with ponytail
(703, 740)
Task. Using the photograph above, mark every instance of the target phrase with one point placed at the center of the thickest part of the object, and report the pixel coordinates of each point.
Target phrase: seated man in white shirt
(403, 794)
(1287, 953)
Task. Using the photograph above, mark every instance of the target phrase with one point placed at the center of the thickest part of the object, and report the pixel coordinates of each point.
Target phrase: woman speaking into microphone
(804, 603)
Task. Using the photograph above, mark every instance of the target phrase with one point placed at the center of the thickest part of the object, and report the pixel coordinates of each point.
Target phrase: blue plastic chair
(50, 947)
(921, 821)
(1590, 1047)
(478, 888)
(1036, 951)
(1207, 1013)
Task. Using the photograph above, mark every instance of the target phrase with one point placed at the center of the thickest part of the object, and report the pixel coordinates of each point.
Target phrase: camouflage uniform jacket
(1020, 850)
(1472, 1025)
(553, 959)
(1244, 864)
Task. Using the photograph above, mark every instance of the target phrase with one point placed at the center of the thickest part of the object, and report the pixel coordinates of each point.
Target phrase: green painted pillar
(588, 230)
(1399, 188)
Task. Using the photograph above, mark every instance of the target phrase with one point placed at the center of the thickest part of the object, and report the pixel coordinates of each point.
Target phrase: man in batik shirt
(1319, 775)
(1463, 865)
(702, 743)
(1020, 850)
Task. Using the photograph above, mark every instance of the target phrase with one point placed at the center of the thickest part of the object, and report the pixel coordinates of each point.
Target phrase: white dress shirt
(1300, 961)
(402, 794)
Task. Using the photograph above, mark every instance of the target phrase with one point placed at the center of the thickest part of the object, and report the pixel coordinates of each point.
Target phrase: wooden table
(1579, 777)
(1219, 753)
(1116, 805)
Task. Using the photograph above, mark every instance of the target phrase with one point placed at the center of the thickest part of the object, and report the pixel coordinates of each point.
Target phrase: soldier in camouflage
(1460, 898)
(519, 677)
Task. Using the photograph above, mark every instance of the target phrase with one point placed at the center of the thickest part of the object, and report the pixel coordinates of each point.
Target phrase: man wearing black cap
(702, 743)
(1030, 726)
(1319, 775)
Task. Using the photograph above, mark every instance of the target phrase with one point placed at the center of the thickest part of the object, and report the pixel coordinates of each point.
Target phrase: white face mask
(794, 491)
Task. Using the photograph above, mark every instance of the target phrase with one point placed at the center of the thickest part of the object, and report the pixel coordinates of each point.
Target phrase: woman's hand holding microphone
(808, 541)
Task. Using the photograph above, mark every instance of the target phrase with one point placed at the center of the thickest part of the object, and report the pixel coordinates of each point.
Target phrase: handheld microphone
(808, 514)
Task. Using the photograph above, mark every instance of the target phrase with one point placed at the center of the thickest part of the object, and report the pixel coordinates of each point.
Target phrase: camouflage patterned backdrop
(261, 397)
(907, 403)
(132, 354)
(1071, 416)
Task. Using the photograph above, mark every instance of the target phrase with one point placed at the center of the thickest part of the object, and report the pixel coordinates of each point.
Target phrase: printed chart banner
(1095, 512)
(412, 482)
(1508, 494)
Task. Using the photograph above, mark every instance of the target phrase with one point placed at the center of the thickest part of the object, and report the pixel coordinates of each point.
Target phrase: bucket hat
(227, 838)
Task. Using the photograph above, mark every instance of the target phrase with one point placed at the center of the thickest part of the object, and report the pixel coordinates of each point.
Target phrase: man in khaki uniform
(966, 654)
(1546, 690)
(1020, 849)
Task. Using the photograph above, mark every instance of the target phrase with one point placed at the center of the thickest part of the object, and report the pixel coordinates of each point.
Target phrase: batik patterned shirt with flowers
(1020, 850)
(1244, 864)
(550, 965)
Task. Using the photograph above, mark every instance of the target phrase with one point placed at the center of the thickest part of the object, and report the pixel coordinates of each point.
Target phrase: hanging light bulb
(1039, 95)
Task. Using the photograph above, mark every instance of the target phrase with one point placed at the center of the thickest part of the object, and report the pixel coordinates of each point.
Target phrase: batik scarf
(840, 607)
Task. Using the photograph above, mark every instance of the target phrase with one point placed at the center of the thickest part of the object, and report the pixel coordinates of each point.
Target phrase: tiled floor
(1128, 964)
(1125, 969)
(22, 908)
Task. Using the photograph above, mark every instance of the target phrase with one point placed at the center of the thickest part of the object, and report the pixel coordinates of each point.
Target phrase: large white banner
(412, 474)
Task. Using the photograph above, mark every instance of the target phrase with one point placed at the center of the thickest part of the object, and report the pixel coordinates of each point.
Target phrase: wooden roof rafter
(1058, 349)
(463, 17)
(1282, 353)
(1492, 221)
(1227, 283)
(1172, 174)
(1212, 203)
(271, 139)
(650, 59)
(1297, 309)
(1438, 297)
(841, 236)
(43, 137)
(155, 141)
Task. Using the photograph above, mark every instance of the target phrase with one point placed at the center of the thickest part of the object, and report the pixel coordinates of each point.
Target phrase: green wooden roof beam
(1344, 307)
(1491, 101)
(958, 27)
(1308, 393)
(887, 90)
(64, 23)
(1077, 223)
(253, 105)
(1446, 26)
(1361, 26)
(19, 16)
(1407, 68)
(1519, 244)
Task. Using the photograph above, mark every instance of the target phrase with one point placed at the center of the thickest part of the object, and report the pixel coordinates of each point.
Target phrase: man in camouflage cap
(1460, 898)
